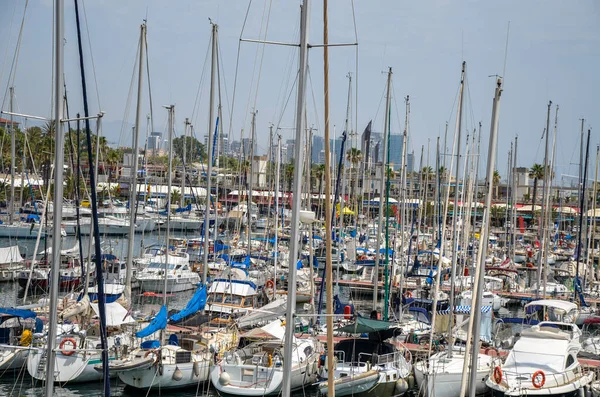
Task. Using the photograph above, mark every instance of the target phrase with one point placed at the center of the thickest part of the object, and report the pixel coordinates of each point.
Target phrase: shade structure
(365, 325)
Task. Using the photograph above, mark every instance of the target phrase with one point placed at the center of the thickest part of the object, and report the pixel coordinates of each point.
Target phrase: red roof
(5, 121)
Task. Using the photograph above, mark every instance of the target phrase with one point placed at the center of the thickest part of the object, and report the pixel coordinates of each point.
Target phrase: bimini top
(565, 306)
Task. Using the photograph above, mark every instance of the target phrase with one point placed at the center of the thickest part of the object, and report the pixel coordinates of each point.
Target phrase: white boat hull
(162, 376)
(76, 368)
(173, 284)
(12, 358)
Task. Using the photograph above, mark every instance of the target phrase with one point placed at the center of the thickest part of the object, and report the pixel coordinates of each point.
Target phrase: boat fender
(497, 374)
(196, 369)
(538, 379)
(401, 386)
(70, 341)
(224, 379)
(177, 375)
(411, 382)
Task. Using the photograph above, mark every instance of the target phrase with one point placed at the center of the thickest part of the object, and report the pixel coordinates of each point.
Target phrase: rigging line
(283, 88)
(237, 65)
(13, 73)
(449, 118)
(262, 54)
(149, 90)
(379, 106)
(220, 57)
(194, 116)
(355, 66)
(256, 57)
(287, 102)
(87, 30)
(313, 98)
(12, 20)
(129, 97)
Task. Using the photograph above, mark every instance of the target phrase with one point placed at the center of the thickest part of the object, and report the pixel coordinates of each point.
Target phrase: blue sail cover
(194, 305)
(158, 322)
(9, 311)
(184, 209)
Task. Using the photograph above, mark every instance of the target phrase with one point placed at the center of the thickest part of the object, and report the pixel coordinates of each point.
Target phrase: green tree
(354, 156)
(496, 182)
(537, 173)
(194, 150)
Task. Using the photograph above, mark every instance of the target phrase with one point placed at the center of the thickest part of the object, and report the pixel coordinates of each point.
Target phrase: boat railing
(543, 379)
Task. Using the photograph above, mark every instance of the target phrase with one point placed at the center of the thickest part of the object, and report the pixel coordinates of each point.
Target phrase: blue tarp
(17, 312)
(158, 322)
(220, 247)
(194, 305)
(184, 209)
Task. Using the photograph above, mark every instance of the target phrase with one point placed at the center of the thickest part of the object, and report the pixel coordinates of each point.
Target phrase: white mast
(171, 110)
(58, 192)
(184, 158)
(276, 244)
(211, 122)
(11, 205)
(134, 170)
(295, 225)
(483, 240)
(455, 210)
(381, 188)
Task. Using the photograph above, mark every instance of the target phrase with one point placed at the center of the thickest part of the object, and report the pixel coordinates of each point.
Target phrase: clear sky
(553, 54)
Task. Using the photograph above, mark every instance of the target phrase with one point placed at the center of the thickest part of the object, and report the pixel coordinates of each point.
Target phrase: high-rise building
(154, 142)
(247, 147)
(410, 162)
(318, 144)
(396, 141)
(290, 150)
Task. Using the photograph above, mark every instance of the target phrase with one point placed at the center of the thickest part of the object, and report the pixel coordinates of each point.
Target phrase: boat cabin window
(232, 299)
(215, 298)
(570, 361)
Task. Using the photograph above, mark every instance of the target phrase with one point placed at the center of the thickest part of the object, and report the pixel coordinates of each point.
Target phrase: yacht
(368, 367)
(11, 263)
(179, 277)
(257, 369)
(531, 368)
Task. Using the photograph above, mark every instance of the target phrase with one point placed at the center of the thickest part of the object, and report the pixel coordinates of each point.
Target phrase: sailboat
(257, 369)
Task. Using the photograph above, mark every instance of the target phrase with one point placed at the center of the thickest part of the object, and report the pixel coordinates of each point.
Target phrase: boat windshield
(156, 265)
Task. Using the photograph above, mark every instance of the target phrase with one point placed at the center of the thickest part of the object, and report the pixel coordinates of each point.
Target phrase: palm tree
(354, 156)
(288, 175)
(319, 174)
(496, 181)
(536, 172)
(175, 196)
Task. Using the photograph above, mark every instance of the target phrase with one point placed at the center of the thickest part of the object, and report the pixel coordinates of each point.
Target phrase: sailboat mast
(455, 209)
(171, 110)
(11, 205)
(211, 121)
(184, 158)
(134, 169)
(296, 198)
(249, 204)
(483, 242)
(514, 191)
(543, 218)
(58, 191)
(276, 238)
(381, 188)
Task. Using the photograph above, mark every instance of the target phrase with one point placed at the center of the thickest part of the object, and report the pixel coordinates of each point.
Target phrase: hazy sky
(553, 54)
